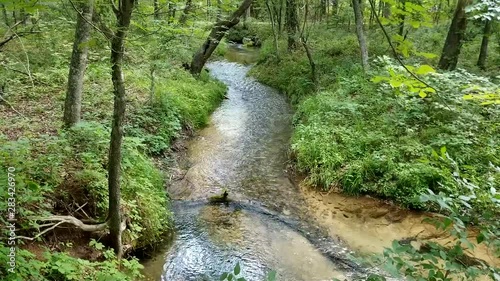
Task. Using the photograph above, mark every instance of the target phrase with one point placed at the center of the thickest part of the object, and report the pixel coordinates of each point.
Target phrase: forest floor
(64, 172)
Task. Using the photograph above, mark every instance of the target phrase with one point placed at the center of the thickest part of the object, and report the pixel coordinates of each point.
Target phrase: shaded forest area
(395, 99)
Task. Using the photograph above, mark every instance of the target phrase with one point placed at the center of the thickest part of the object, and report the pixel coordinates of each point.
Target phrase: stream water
(271, 223)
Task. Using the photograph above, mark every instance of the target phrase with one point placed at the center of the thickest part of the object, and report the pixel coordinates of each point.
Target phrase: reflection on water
(241, 54)
(212, 239)
(243, 151)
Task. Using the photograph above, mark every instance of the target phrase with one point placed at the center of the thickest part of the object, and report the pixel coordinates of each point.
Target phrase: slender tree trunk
(245, 17)
(438, 12)
(358, 16)
(275, 37)
(5, 16)
(454, 39)
(481, 61)
(156, 11)
(215, 36)
(185, 13)
(370, 21)
(171, 12)
(278, 11)
(219, 10)
(303, 40)
(208, 9)
(386, 12)
(123, 16)
(292, 23)
(73, 102)
(402, 19)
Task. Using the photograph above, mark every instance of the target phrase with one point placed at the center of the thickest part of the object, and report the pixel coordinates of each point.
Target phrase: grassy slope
(57, 171)
(362, 137)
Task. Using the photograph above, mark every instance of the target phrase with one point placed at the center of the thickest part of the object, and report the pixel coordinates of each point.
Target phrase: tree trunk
(123, 16)
(156, 11)
(370, 21)
(171, 12)
(5, 16)
(481, 61)
(73, 102)
(245, 17)
(386, 11)
(185, 13)
(454, 39)
(358, 16)
(438, 12)
(275, 37)
(219, 10)
(279, 15)
(291, 23)
(402, 19)
(215, 36)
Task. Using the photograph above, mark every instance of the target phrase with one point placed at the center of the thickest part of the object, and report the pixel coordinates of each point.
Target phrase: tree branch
(74, 221)
(11, 106)
(14, 36)
(397, 56)
(105, 30)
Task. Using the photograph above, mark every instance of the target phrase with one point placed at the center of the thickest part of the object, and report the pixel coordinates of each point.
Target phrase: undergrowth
(64, 172)
(367, 138)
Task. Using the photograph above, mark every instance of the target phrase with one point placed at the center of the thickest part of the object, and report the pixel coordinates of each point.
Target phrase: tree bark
(156, 12)
(454, 39)
(386, 11)
(213, 39)
(171, 12)
(185, 13)
(358, 16)
(219, 10)
(273, 27)
(481, 61)
(73, 102)
(291, 23)
(402, 19)
(5, 16)
(438, 12)
(278, 11)
(123, 16)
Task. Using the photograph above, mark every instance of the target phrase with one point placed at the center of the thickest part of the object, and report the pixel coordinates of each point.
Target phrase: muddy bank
(368, 225)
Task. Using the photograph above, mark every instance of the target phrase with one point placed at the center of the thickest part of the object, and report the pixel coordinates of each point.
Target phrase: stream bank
(272, 223)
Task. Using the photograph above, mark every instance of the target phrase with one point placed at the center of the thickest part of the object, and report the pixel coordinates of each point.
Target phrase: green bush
(60, 266)
(365, 139)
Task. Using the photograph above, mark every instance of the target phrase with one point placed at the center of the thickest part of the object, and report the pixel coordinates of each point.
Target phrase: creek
(271, 222)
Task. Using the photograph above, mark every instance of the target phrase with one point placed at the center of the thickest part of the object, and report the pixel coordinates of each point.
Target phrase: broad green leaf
(424, 69)
(378, 79)
(396, 83)
(237, 269)
(443, 151)
(271, 276)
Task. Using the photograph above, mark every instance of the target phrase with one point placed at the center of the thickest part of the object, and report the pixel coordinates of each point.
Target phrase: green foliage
(434, 261)
(61, 266)
(236, 275)
(394, 158)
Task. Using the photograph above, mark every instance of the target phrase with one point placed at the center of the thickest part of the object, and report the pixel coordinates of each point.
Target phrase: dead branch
(70, 220)
(74, 221)
(14, 36)
(11, 106)
(54, 225)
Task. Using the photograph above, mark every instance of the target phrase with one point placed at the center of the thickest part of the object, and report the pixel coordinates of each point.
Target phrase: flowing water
(270, 223)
